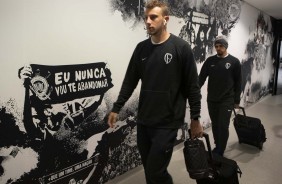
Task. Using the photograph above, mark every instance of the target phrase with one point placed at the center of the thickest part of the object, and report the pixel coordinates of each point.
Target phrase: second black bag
(223, 171)
(250, 130)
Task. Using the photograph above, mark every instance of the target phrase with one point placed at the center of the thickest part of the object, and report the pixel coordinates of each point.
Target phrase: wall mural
(255, 85)
(61, 135)
(65, 135)
(66, 138)
(204, 20)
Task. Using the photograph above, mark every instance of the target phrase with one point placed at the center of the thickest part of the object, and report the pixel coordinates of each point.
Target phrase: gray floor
(258, 167)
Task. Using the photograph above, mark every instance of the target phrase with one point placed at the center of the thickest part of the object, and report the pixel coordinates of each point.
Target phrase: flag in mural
(62, 96)
(64, 136)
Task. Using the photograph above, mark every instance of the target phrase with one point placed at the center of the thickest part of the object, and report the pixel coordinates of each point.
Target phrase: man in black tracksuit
(166, 67)
(224, 86)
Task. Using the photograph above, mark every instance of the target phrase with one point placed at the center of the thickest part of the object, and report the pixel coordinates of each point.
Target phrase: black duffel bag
(195, 156)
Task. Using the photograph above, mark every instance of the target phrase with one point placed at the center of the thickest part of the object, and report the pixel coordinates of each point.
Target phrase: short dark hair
(156, 3)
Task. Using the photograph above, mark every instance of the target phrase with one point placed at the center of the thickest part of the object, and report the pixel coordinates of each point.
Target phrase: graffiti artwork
(63, 134)
(204, 20)
(254, 84)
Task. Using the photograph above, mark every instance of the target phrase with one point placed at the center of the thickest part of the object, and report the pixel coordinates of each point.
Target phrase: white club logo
(167, 58)
(227, 65)
(40, 87)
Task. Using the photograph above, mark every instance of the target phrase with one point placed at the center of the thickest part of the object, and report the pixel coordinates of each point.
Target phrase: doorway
(279, 72)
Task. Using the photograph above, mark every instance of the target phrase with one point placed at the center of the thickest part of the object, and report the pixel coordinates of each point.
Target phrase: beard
(219, 53)
(151, 31)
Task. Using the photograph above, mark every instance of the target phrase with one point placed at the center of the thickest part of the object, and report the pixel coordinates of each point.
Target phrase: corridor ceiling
(270, 7)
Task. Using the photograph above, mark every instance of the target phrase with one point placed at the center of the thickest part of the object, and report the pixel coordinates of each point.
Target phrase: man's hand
(236, 106)
(25, 72)
(112, 119)
(196, 128)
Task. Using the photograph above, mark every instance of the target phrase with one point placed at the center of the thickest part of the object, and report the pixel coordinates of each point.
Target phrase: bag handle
(207, 139)
(243, 110)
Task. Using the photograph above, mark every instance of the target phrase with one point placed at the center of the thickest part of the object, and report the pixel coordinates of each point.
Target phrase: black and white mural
(61, 67)
(258, 52)
(203, 20)
(66, 138)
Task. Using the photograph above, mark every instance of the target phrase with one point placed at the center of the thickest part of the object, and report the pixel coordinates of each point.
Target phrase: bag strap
(239, 172)
(206, 136)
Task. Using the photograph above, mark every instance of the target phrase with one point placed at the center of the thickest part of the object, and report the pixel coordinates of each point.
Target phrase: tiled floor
(258, 166)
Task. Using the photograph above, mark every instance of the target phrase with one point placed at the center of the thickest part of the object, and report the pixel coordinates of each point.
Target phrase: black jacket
(224, 84)
(169, 76)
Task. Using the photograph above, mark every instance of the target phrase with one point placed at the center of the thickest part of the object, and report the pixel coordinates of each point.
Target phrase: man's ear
(166, 18)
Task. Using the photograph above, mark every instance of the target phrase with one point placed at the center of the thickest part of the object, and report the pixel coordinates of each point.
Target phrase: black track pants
(220, 114)
(156, 146)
